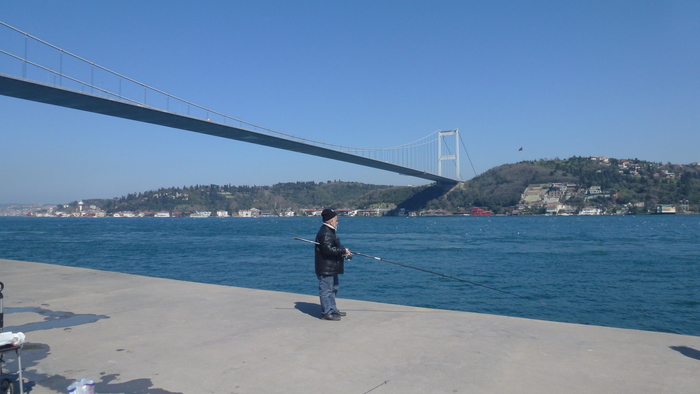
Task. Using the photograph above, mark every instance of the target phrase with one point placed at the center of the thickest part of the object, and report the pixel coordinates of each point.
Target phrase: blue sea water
(639, 272)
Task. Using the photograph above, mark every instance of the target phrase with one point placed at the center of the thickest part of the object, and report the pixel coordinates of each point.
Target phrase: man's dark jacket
(329, 252)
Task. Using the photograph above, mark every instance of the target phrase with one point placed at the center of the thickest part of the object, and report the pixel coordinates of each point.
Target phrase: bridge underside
(27, 90)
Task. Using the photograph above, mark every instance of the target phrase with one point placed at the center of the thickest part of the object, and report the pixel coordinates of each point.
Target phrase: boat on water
(201, 214)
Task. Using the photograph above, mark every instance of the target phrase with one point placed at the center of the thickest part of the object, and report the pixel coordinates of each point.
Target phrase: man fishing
(329, 258)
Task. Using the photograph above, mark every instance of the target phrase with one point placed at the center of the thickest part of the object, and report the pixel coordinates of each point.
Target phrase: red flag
(521, 148)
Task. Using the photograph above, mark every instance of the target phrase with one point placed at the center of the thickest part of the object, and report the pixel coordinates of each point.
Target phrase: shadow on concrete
(687, 351)
(33, 353)
(52, 319)
(313, 310)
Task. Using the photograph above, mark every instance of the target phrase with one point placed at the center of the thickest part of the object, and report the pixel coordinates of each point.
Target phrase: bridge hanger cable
(467, 152)
(407, 145)
(70, 78)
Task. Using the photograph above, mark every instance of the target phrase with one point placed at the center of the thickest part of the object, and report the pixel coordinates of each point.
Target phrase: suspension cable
(426, 142)
(467, 152)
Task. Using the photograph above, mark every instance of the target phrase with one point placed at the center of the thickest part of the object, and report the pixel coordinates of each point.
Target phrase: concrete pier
(135, 334)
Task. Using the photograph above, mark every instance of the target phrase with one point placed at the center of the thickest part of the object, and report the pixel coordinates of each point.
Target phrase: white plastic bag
(11, 338)
(82, 386)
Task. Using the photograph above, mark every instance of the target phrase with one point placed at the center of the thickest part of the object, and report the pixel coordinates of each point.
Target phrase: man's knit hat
(328, 214)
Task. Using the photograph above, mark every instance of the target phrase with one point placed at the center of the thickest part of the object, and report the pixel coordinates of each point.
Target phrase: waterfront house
(222, 214)
(666, 208)
(434, 212)
(591, 211)
(476, 211)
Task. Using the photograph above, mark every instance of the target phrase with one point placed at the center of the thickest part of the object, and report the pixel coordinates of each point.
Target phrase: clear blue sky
(603, 78)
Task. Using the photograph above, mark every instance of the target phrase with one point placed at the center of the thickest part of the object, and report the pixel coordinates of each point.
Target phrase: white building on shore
(222, 214)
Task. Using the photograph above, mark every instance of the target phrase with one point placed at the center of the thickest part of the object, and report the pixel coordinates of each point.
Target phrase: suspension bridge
(35, 70)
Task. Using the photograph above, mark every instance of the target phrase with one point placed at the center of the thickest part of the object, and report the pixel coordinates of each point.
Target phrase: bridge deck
(29, 90)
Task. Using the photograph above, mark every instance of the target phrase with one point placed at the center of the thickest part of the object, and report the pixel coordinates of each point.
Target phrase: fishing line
(430, 272)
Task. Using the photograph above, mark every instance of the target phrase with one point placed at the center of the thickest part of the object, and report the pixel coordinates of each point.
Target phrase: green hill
(632, 182)
(278, 198)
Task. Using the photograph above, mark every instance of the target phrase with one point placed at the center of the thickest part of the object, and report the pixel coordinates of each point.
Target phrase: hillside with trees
(630, 181)
(623, 183)
(278, 198)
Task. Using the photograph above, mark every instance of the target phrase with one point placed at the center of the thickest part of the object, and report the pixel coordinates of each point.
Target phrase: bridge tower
(452, 157)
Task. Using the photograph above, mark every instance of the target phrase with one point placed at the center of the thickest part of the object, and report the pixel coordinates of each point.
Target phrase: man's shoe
(339, 313)
(330, 316)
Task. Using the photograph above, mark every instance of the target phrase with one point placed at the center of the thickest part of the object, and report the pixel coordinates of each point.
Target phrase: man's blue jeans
(327, 288)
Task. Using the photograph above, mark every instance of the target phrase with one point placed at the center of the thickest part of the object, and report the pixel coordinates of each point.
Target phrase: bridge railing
(25, 56)
(28, 57)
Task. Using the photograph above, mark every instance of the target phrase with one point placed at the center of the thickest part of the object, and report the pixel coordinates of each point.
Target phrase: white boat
(201, 214)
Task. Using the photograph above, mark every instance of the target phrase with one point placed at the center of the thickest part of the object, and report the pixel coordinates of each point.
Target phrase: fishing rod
(430, 272)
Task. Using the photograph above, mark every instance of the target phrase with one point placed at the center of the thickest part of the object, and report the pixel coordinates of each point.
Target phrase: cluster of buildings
(91, 211)
(634, 168)
(25, 209)
(553, 197)
(94, 211)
